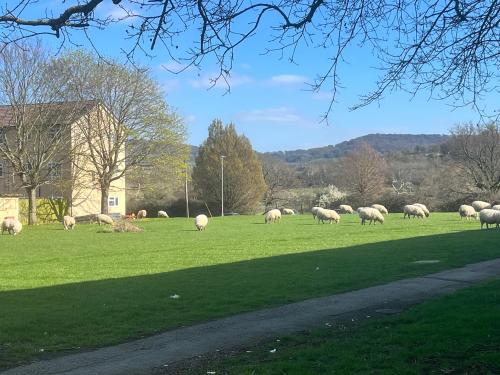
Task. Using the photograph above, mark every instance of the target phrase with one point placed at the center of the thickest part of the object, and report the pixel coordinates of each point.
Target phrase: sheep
(142, 214)
(162, 214)
(370, 213)
(314, 210)
(468, 212)
(414, 211)
(480, 205)
(12, 226)
(381, 208)
(489, 216)
(287, 211)
(496, 207)
(69, 222)
(201, 222)
(272, 216)
(423, 207)
(329, 215)
(345, 209)
(102, 218)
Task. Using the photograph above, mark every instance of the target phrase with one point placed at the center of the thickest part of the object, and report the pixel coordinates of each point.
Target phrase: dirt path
(151, 354)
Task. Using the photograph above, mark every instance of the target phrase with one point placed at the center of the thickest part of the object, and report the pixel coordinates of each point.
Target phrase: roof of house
(58, 113)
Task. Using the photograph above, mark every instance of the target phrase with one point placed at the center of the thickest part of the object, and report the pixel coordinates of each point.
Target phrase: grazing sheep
(272, 216)
(142, 214)
(69, 222)
(414, 211)
(162, 214)
(314, 210)
(496, 207)
(468, 212)
(423, 207)
(201, 222)
(381, 208)
(103, 219)
(287, 211)
(345, 209)
(12, 226)
(370, 213)
(329, 215)
(489, 216)
(480, 205)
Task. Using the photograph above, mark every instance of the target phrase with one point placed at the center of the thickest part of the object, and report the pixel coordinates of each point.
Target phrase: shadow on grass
(103, 312)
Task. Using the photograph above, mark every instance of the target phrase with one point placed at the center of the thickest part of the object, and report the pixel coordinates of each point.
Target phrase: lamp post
(186, 190)
(222, 184)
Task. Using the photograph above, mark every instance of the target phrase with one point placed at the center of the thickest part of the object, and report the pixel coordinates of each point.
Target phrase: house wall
(86, 194)
(9, 207)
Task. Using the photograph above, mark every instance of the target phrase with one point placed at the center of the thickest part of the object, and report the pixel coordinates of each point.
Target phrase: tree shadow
(103, 312)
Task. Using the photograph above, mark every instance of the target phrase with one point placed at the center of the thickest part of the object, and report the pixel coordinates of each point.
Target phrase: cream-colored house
(72, 173)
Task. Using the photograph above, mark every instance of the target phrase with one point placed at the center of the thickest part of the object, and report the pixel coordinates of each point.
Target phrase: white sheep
(381, 208)
(329, 215)
(370, 213)
(201, 222)
(314, 210)
(467, 211)
(69, 222)
(103, 219)
(423, 207)
(480, 205)
(12, 226)
(287, 211)
(414, 211)
(489, 216)
(496, 207)
(162, 214)
(272, 216)
(345, 209)
(142, 214)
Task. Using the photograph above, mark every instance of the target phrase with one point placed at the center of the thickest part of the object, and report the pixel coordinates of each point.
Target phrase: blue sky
(270, 101)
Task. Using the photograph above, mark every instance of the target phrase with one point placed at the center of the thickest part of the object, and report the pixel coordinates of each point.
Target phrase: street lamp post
(222, 184)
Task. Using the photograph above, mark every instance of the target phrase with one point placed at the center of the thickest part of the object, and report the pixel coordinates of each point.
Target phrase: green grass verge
(457, 334)
(66, 290)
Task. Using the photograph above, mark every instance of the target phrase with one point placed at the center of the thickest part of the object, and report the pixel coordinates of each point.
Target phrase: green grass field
(457, 334)
(64, 291)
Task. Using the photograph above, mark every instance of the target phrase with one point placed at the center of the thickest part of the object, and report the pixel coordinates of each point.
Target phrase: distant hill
(383, 143)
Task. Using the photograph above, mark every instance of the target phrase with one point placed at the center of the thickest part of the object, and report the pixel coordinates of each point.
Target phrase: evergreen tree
(244, 184)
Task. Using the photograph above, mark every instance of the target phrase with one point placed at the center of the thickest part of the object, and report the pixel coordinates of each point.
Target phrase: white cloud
(190, 119)
(287, 79)
(174, 66)
(279, 115)
(170, 85)
(208, 81)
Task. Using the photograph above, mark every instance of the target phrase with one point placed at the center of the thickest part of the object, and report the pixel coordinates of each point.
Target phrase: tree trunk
(104, 199)
(31, 206)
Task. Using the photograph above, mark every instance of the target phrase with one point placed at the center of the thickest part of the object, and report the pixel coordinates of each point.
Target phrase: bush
(47, 210)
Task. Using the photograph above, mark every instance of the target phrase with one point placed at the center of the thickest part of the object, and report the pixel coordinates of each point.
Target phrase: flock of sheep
(485, 212)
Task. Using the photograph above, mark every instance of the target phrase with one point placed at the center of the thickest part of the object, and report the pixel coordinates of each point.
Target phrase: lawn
(457, 334)
(62, 291)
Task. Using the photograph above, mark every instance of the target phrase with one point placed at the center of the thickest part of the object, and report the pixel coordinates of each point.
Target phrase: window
(1, 170)
(113, 201)
(54, 170)
(55, 131)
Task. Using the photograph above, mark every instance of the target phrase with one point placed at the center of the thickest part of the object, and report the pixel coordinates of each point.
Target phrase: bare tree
(34, 133)
(131, 126)
(364, 174)
(449, 47)
(278, 177)
(475, 149)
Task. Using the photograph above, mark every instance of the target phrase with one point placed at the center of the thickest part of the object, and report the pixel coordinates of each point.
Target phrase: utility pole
(222, 184)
